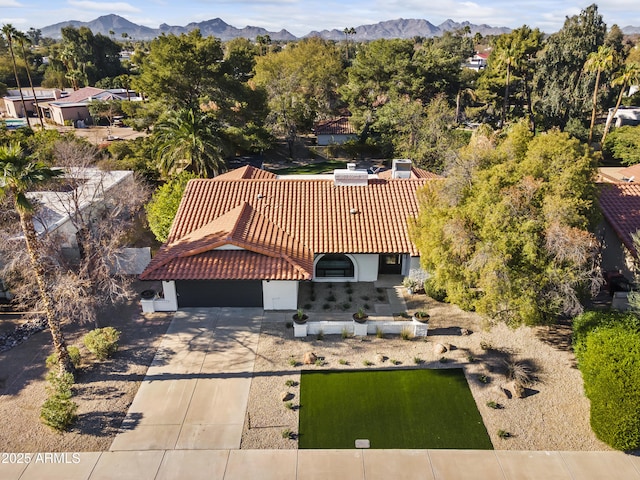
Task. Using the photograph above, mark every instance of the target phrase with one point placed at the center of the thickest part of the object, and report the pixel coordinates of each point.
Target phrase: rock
(381, 358)
(309, 358)
(515, 389)
(465, 332)
(439, 348)
(286, 396)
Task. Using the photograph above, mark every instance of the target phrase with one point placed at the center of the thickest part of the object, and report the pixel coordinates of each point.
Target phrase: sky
(303, 16)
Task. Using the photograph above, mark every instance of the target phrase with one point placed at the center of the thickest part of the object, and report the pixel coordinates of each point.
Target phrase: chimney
(401, 168)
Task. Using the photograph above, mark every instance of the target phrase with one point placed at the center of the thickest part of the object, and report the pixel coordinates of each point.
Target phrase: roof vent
(401, 168)
(260, 196)
(353, 211)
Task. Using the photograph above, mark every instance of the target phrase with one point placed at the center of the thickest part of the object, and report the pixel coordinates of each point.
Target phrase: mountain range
(400, 28)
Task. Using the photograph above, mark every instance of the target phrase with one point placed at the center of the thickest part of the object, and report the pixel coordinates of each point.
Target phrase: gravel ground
(553, 416)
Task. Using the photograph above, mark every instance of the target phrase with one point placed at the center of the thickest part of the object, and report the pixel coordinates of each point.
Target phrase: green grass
(312, 168)
(392, 408)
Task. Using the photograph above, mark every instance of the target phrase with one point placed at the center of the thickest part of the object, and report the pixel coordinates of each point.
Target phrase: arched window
(335, 265)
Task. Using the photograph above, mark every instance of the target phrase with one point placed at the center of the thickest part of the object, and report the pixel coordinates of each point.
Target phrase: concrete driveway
(195, 393)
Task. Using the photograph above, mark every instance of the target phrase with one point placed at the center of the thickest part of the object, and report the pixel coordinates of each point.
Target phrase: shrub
(518, 372)
(286, 433)
(434, 292)
(406, 334)
(417, 360)
(74, 354)
(379, 333)
(364, 297)
(293, 362)
(59, 411)
(494, 405)
(307, 306)
(102, 342)
(346, 306)
(342, 361)
(345, 333)
(395, 362)
(503, 434)
(331, 298)
(326, 306)
(289, 324)
(367, 363)
(320, 335)
(288, 405)
(290, 383)
(607, 346)
(483, 379)
(319, 362)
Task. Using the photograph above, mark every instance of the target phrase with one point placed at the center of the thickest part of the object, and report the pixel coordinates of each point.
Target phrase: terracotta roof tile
(335, 126)
(285, 222)
(246, 172)
(620, 205)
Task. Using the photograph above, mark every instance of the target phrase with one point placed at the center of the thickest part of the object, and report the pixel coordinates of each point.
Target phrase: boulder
(286, 396)
(439, 348)
(309, 358)
(381, 358)
(465, 332)
(516, 389)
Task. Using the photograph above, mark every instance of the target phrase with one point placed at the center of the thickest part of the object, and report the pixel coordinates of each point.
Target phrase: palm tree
(598, 62)
(21, 38)
(18, 174)
(508, 58)
(188, 140)
(9, 32)
(629, 75)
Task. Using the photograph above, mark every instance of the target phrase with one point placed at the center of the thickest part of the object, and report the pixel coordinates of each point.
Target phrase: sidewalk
(334, 465)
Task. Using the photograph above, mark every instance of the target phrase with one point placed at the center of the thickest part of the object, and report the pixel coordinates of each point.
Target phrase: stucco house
(249, 237)
(334, 132)
(13, 101)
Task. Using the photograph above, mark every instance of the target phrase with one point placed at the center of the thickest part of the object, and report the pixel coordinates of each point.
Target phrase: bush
(74, 354)
(59, 411)
(102, 342)
(607, 346)
(432, 291)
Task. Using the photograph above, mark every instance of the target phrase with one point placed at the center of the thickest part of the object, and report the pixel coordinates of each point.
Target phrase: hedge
(607, 345)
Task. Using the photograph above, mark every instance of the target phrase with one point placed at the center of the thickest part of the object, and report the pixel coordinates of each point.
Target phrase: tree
(562, 89)
(301, 84)
(348, 32)
(506, 233)
(19, 173)
(21, 38)
(629, 75)
(163, 206)
(599, 61)
(188, 140)
(9, 33)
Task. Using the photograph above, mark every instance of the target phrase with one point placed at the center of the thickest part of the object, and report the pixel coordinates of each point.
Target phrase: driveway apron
(196, 390)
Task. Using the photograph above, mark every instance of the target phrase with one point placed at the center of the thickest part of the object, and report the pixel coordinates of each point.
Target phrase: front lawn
(391, 408)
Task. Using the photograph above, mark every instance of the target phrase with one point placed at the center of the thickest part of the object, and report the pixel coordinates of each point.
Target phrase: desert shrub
(406, 334)
(74, 354)
(608, 349)
(379, 333)
(503, 434)
(367, 363)
(287, 433)
(290, 383)
(320, 335)
(288, 405)
(102, 342)
(434, 292)
(342, 361)
(59, 411)
(345, 333)
(519, 372)
(417, 360)
(494, 405)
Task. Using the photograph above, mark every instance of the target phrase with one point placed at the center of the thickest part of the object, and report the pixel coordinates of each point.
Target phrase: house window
(335, 265)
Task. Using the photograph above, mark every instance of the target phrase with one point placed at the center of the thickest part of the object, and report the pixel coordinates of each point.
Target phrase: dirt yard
(103, 391)
(554, 415)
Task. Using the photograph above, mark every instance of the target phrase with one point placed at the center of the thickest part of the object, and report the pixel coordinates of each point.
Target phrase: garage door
(219, 293)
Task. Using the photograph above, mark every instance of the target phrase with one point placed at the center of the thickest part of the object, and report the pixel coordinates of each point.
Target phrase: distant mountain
(400, 28)
(408, 28)
(629, 30)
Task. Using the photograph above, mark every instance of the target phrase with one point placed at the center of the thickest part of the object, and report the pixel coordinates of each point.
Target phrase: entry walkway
(195, 393)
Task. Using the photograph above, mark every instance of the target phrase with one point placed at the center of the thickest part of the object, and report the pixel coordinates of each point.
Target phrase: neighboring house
(13, 101)
(619, 174)
(477, 62)
(625, 116)
(620, 205)
(74, 108)
(248, 237)
(334, 132)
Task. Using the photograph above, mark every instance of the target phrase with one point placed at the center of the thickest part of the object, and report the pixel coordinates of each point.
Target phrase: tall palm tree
(630, 74)
(188, 139)
(21, 38)
(9, 33)
(598, 62)
(17, 174)
(508, 58)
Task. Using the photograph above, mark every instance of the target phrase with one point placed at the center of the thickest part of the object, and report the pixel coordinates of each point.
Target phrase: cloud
(9, 3)
(108, 7)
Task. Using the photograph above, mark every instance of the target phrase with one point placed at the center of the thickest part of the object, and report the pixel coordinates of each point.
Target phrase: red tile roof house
(620, 205)
(248, 237)
(334, 132)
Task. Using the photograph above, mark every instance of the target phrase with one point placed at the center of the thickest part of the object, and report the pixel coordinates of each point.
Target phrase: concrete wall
(168, 302)
(280, 295)
(359, 329)
(324, 140)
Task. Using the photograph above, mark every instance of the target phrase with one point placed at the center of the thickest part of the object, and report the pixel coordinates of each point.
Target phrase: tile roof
(415, 173)
(80, 95)
(336, 126)
(281, 224)
(246, 172)
(631, 172)
(620, 205)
